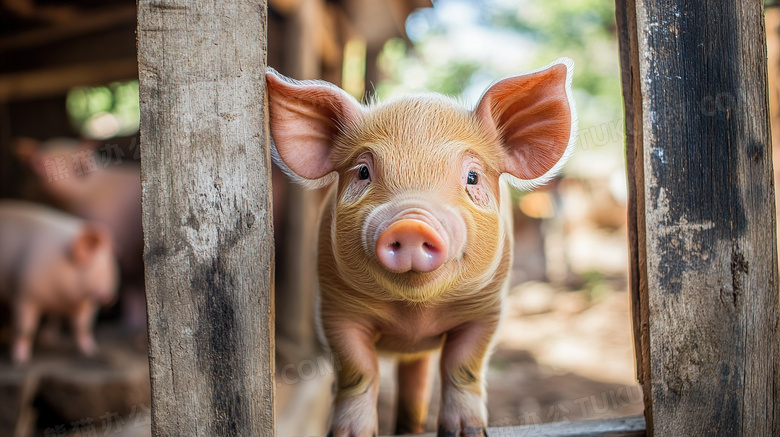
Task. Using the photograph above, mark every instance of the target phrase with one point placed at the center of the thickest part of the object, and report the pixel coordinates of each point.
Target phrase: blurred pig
(52, 263)
(71, 175)
(415, 241)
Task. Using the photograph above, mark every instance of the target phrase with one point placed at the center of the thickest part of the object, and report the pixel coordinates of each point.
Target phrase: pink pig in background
(415, 240)
(107, 194)
(53, 264)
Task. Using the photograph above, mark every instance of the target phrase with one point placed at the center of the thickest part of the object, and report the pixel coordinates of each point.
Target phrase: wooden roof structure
(49, 47)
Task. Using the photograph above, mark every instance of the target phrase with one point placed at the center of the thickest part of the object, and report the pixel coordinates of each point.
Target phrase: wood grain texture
(627, 43)
(705, 215)
(625, 14)
(207, 225)
(772, 17)
(297, 282)
(633, 426)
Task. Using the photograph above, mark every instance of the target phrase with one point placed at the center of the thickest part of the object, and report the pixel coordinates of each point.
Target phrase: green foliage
(460, 47)
(558, 25)
(118, 101)
(413, 73)
(581, 29)
(596, 285)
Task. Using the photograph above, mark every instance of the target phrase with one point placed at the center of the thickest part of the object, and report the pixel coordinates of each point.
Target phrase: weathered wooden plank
(627, 44)
(17, 394)
(772, 17)
(58, 80)
(633, 426)
(296, 287)
(207, 223)
(74, 25)
(695, 80)
(625, 14)
(8, 179)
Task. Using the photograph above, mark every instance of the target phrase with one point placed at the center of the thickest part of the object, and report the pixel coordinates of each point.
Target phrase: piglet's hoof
(467, 432)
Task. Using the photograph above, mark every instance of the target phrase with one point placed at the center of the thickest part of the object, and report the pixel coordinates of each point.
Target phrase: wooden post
(772, 17)
(7, 174)
(207, 216)
(704, 268)
(635, 210)
(296, 290)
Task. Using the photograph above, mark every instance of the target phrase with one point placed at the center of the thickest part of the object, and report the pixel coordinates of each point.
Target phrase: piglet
(109, 195)
(52, 263)
(415, 241)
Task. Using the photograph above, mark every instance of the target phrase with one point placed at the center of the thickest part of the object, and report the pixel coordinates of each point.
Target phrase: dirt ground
(573, 362)
(563, 353)
(560, 355)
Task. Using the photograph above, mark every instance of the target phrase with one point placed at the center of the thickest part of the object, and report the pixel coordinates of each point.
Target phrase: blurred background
(69, 116)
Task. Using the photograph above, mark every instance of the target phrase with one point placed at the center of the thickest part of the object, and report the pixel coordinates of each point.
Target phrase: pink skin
(463, 405)
(53, 264)
(355, 413)
(81, 321)
(27, 317)
(419, 179)
(414, 234)
(414, 394)
(110, 196)
(411, 245)
(25, 322)
(415, 331)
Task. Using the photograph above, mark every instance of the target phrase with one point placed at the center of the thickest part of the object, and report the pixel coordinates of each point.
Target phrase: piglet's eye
(363, 173)
(472, 178)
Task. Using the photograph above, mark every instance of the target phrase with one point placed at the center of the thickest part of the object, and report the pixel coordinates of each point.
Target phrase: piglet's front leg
(463, 412)
(357, 380)
(26, 318)
(414, 394)
(82, 321)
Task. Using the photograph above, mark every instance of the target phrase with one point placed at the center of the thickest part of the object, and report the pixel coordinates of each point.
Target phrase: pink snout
(411, 245)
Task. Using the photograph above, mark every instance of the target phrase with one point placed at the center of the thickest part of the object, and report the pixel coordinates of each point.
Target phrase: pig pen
(673, 102)
(563, 353)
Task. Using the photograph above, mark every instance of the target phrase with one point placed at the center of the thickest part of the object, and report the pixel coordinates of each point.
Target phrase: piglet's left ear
(534, 117)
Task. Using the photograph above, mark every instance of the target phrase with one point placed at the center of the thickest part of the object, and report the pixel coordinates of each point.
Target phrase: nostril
(429, 249)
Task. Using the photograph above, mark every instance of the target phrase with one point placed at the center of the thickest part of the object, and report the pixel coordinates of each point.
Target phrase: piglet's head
(417, 214)
(93, 257)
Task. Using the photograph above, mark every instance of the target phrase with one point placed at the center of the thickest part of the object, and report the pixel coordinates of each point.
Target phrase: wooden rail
(633, 426)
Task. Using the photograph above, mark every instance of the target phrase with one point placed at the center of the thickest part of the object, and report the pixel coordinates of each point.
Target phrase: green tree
(460, 47)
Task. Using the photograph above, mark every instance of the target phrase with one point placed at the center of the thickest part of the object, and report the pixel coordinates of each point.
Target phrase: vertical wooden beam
(626, 24)
(206, 214)
(295, 294)
(772, 17)
(700, 168)
(6, 154)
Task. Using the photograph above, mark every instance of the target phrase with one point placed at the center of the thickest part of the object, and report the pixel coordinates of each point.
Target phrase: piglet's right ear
(305, 117)
(87, 243)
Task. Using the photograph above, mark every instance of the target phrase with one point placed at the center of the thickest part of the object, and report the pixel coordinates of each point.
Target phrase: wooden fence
(701, 214)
